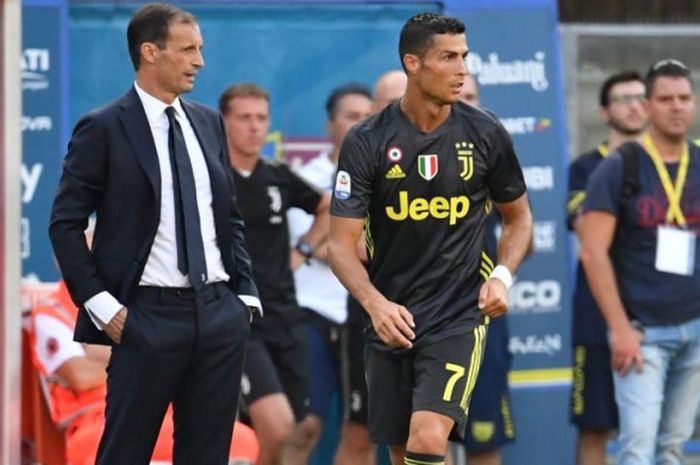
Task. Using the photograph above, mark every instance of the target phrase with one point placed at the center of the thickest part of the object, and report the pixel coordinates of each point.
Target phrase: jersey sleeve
(304, 195)
(604, 187)
(352, 189)
(577, 191)
(54, 343)
(505, 180)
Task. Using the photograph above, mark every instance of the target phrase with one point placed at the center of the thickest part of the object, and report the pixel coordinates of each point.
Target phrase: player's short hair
(151, 23)
(246, 89)
(417, 34)
(612, 81)
(666, 68)
(333, 100)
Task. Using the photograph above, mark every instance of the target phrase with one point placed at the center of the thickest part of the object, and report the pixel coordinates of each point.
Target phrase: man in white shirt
(334, 342)
(168, 281)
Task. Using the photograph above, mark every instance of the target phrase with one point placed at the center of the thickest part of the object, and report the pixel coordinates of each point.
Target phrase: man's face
(352, 109)
(247, 122)
(625, 111)
(470, 92)
(671, 106)
(178, 63)
(440, 73)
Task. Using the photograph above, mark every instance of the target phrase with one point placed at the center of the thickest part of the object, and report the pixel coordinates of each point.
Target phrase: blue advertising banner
(41, 65)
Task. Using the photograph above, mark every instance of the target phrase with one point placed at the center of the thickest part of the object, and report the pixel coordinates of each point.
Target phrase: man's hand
(625, 344)
(114, 328)
(493, 298)
(393, 323)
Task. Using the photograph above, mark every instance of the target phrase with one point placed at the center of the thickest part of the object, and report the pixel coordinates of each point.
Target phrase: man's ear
(149, 52)
(411, 62)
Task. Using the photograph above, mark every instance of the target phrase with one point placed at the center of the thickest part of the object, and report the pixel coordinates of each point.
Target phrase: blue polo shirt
(652, 297)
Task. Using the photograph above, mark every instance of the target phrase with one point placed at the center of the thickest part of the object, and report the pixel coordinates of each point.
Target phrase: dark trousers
(182, 348)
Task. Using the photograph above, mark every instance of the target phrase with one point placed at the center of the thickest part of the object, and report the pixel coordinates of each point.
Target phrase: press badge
(675, 250)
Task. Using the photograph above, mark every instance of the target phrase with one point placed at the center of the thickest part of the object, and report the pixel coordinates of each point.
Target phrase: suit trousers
(183, 347)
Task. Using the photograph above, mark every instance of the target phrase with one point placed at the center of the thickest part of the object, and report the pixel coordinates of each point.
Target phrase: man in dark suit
(168, 281)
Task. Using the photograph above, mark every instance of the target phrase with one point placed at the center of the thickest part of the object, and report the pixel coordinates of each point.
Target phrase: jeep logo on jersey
(427, 166)
(465, 155)
(418, 209)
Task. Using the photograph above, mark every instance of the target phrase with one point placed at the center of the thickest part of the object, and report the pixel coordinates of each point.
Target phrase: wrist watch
(304, 248)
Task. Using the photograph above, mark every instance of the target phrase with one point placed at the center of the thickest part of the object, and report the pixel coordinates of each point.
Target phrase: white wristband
(503, 273)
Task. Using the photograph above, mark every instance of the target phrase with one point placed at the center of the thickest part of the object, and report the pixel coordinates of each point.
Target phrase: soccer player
(274, 385)
(638, 250)
(593, 409)
(416, 177)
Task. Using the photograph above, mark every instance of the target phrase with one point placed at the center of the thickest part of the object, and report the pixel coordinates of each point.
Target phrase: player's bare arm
(393, 323)
(597, 230)
(513, 246)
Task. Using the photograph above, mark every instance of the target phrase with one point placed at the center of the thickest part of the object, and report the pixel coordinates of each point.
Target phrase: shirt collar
(154, 108)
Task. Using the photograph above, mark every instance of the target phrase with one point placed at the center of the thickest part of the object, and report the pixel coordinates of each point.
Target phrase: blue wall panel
(299, 53)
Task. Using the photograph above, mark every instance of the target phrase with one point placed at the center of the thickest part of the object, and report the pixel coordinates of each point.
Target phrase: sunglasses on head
(667, 62)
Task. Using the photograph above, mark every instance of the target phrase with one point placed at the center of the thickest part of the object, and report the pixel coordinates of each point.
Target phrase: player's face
(247, 122)
(441, 71)
(625, 112)
(352, 109)
(671, 106)
(469, 93)
(177, 64)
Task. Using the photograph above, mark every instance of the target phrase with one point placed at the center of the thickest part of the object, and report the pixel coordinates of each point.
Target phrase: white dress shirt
(161, 266)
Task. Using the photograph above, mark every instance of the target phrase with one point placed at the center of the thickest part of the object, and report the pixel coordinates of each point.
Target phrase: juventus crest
(465, 155)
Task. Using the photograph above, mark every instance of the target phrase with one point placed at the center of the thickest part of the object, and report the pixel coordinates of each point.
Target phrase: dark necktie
(190, 248)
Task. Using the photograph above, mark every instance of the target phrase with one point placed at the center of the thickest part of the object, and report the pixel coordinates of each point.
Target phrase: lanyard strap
(603, 150)
(674, 193)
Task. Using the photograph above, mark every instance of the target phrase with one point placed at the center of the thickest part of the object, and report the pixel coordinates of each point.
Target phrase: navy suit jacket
(111, 168)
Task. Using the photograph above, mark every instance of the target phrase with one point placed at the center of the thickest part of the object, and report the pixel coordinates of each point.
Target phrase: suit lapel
(138, 131)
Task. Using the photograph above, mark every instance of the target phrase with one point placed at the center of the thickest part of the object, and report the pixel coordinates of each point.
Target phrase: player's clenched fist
(493, 298)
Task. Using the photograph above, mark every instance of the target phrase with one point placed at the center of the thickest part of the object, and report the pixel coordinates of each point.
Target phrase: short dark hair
(150, 23)
(247, 89)
(417, 34)
(338, 93)
(612, 81)
(666, 68)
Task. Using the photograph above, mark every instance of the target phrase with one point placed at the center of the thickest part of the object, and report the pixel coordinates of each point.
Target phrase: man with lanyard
(639, 254)
(593, 409)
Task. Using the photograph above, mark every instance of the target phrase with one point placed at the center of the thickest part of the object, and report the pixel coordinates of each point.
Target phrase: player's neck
(616, 139)
(670, 147)
(426, 115)
(244, 162)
